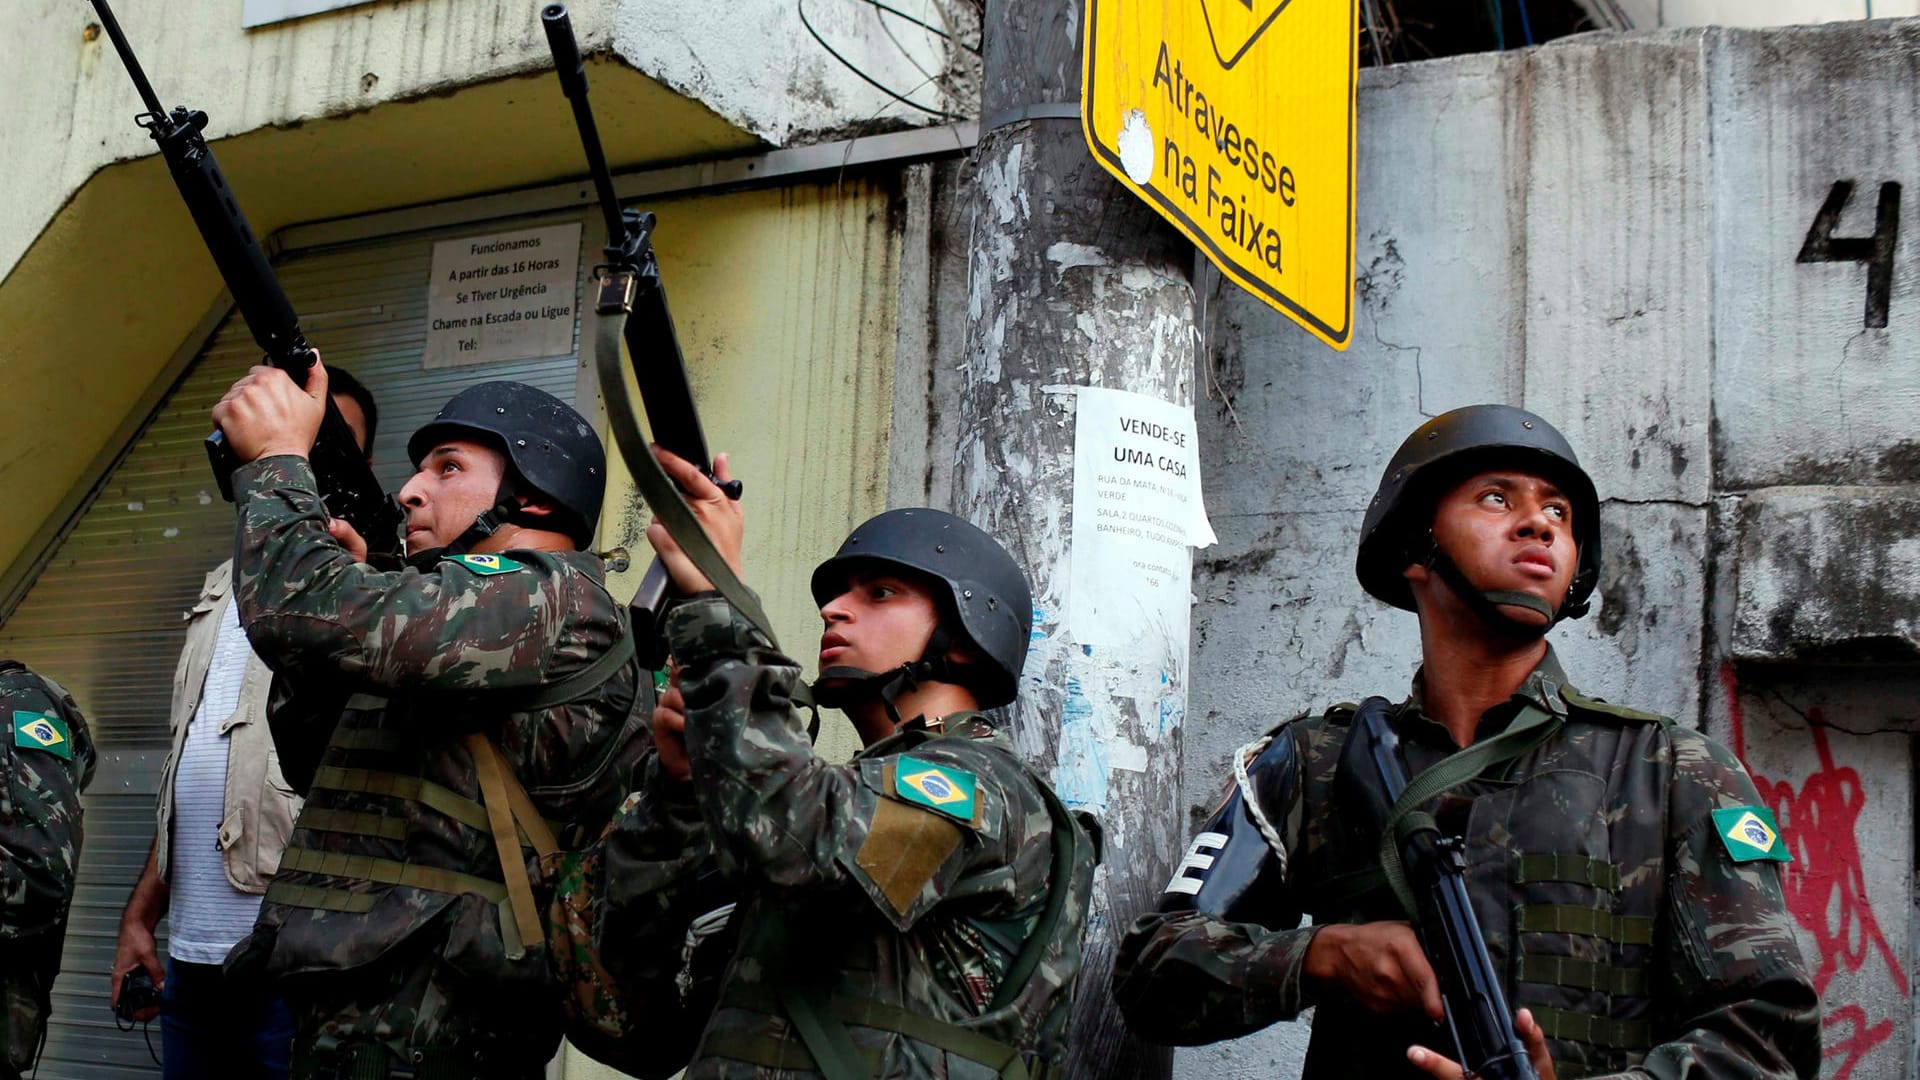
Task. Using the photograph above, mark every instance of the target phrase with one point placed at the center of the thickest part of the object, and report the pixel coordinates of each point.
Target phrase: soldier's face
(456, 482)
(1507, 530)
(880, 622)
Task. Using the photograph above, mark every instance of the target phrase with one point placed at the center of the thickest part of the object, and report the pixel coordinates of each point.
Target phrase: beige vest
(260, 807)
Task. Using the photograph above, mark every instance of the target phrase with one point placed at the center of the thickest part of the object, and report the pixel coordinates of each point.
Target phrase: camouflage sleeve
(310, 610)
(618, 919)
(1186, 978)
(781, 817)
(1744, 1003)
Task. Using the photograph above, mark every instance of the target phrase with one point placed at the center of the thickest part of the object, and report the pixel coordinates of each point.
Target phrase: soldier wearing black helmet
(1623, 869)
(456, 715)
(913, 914)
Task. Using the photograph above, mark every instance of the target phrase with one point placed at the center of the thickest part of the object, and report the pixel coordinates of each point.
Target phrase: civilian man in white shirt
(224, 815)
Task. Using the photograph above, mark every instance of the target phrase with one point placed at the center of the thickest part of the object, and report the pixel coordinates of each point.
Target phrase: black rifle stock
(659, 367)
(1485, 1043)
(347, 483)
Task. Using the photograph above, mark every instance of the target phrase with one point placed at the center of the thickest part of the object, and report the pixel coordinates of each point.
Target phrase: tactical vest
(1565, 852)
(404, 809)
(1015, 1038)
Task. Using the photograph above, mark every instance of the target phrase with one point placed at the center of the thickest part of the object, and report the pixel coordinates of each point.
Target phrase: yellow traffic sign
(1234, 119)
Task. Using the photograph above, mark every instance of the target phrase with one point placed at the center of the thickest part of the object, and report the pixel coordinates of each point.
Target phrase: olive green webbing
(494, 777)
(1604, 1031)
(1581, 975)
(1592, 922)
(382, 872)
(1533, 868)
(443, 800)
(658, 489)
(837, 1012)
(1529, 728)
(771, 1053)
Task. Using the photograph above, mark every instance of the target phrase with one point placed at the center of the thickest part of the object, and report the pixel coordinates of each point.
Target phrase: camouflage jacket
(46, 761)
(903, 882)
(393, 845)
(1603, 885)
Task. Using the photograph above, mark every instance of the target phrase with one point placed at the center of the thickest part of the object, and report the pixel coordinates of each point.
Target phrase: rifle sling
(662, 496)
(1531, 727)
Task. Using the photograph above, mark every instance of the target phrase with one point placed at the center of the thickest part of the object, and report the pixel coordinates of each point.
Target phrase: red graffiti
(1860, 1041)
(1825, 883)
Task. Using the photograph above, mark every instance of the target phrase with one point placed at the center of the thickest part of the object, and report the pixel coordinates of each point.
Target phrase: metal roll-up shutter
(104, 615)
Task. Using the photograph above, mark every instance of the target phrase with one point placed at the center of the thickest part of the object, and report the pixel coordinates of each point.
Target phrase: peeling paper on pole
(1137, 510)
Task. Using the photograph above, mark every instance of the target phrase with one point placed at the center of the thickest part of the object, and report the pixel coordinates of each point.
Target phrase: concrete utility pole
(1072, 281)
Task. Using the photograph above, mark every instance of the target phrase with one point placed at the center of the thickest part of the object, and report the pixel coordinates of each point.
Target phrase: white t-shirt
(206, 914)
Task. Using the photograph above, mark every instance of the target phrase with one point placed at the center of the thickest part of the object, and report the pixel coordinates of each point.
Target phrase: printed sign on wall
(504, 296)
(1136, 511)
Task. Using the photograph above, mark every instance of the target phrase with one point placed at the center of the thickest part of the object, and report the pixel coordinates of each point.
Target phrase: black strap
(573, 687)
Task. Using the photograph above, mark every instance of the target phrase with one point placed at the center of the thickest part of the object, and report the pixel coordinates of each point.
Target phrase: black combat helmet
(987, 603)
(551, 450)
(1398, 530)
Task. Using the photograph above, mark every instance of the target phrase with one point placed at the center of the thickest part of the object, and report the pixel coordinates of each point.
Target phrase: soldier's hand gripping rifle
(347, 484)
(1432, 868)
(633, 305)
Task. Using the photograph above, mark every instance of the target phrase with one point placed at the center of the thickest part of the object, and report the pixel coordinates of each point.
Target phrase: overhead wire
(800, 6)
(1526, 27)
(921, 23)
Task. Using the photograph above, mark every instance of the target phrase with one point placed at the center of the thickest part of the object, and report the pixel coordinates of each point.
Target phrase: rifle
(347, 483)
(1478, 1019)
(630, 290)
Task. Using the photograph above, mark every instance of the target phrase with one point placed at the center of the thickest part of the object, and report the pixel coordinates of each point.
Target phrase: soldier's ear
(535, 505)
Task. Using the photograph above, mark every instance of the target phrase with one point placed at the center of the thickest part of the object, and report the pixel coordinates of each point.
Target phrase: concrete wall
(1647, 14)
(1606, 231)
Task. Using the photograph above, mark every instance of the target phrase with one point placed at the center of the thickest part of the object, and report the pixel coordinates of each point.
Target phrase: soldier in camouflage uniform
(46, 761)
(1623, 869)
(918, 912)
(494, 703)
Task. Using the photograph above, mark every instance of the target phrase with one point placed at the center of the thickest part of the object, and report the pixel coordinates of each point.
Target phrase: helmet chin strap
(505, 510)
(1487, 603)
(853, 687)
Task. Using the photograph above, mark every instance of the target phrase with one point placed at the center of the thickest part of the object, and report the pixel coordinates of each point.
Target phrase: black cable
(928, 27)
(801, 7)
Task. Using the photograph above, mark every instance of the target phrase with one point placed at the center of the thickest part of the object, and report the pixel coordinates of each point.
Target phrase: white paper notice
(1136, 511)
(505, 296)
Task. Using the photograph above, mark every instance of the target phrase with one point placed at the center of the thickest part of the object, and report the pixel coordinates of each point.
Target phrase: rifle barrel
(125, 50)
(573, 81)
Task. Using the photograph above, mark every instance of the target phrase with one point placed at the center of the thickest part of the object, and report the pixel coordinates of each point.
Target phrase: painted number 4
(1876, 251)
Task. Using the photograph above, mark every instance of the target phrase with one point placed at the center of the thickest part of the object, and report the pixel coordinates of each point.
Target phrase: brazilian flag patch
(1750, 833)
(936, 787)
(42, 731)
(486, 564)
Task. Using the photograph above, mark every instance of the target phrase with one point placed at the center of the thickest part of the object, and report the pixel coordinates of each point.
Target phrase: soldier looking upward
(1622, 870)
(492, 693)
(915, 913)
